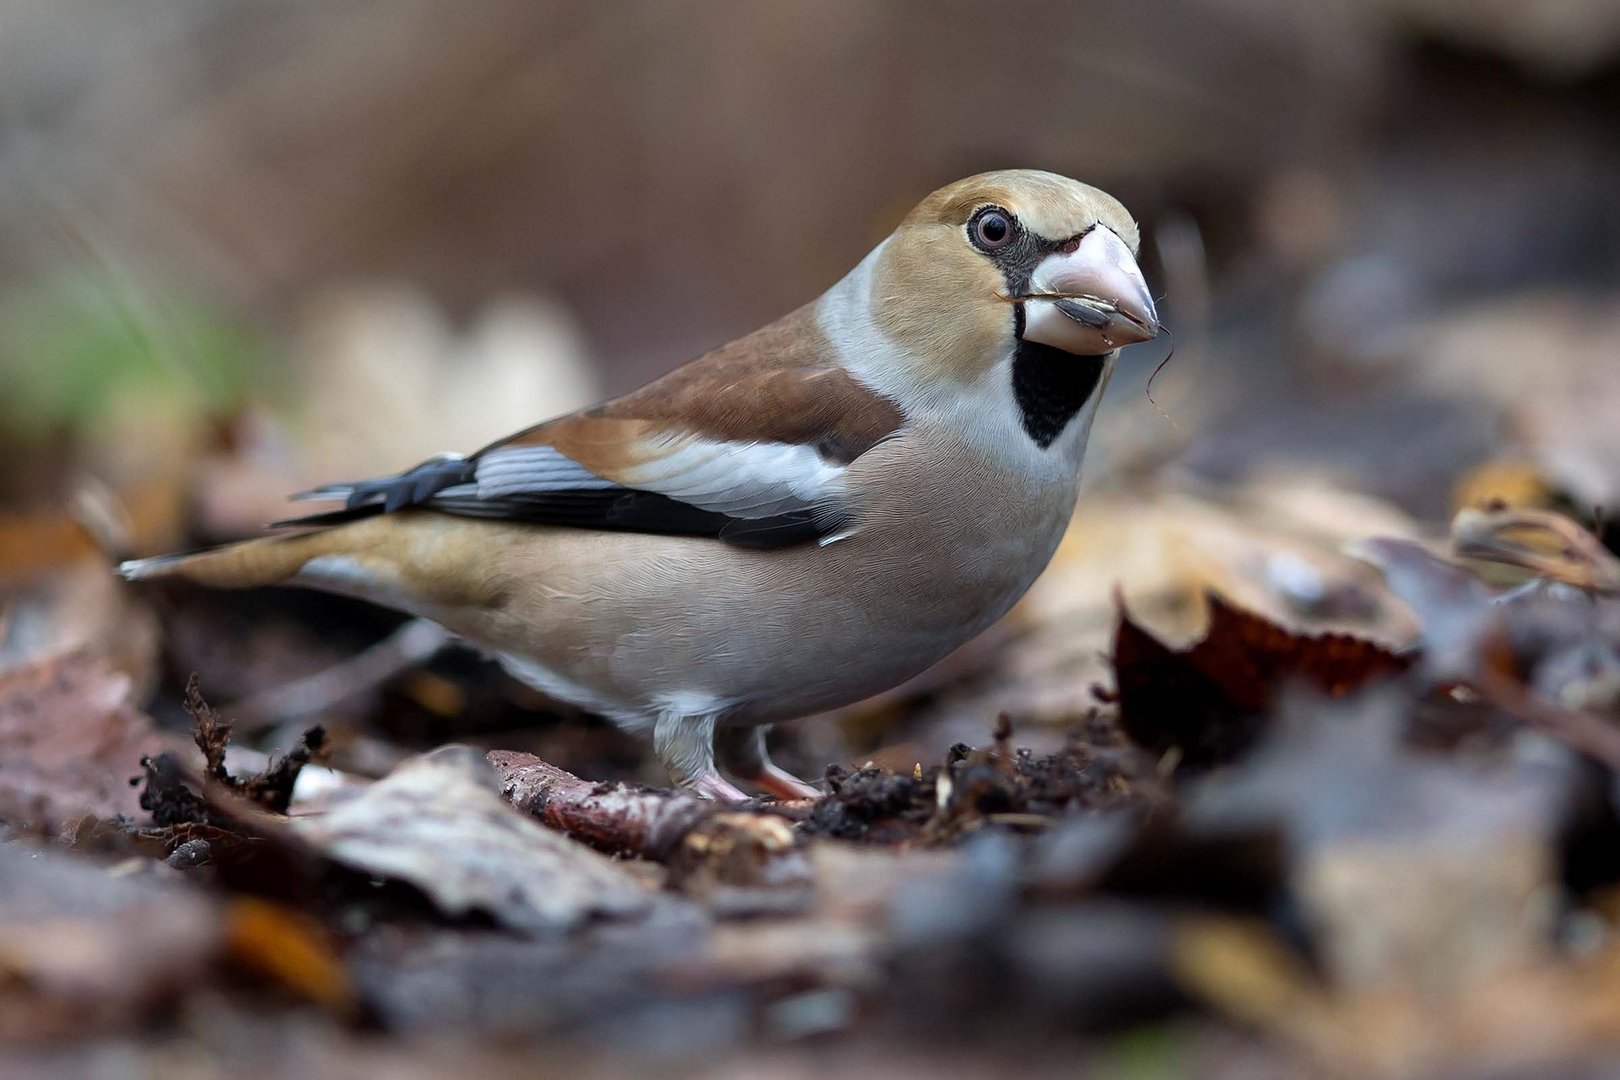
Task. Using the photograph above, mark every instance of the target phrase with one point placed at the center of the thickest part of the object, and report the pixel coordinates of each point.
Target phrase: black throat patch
(1051, 386)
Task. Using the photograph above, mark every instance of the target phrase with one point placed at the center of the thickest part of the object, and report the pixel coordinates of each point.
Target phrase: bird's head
(989, 263)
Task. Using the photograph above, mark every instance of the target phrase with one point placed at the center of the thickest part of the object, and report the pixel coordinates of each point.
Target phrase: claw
(718, 788)
(785, 786)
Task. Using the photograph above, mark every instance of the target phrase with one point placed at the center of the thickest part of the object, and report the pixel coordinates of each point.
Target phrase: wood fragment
(613, 817)
(705, 845)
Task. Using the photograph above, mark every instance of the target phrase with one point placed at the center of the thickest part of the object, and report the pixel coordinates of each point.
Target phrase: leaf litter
(1262, 815)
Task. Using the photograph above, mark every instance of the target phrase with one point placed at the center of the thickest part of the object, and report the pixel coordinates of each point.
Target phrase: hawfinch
(795, 521)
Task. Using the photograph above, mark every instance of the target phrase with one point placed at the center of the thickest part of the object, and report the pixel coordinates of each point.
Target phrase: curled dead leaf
(1544, 543)
(1208, 700)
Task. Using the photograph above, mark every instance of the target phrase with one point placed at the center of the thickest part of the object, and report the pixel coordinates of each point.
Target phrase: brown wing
(779, 384)
(748, 444)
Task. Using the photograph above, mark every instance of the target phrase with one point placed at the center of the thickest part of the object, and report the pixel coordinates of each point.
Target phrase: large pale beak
(1090, 300)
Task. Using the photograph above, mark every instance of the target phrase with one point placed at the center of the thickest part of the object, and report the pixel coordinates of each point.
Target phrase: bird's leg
(685, 746)
(742, 751)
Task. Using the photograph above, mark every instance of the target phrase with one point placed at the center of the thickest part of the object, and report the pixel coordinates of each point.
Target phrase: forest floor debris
(1351, 848)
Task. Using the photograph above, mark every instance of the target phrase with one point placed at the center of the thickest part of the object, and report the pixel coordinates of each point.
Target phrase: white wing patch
(527, 470)
(747, 480)
(743, 480)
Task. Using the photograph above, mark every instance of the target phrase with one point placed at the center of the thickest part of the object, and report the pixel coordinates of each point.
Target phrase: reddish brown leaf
(69, 743)
(1209, 699)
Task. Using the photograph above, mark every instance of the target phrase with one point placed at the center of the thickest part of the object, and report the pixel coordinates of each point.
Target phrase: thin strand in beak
(1106, 305)
(1148, 390)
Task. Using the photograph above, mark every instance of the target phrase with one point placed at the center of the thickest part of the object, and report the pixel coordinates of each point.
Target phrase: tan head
(1004, 258)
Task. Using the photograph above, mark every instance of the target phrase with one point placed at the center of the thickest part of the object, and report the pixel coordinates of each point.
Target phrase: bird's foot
(716, 787)
(784, 785)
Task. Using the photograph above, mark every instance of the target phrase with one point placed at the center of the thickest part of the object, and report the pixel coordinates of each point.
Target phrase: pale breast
(946, 543)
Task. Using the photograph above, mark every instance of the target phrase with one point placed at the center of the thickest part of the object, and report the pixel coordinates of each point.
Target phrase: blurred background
(245, 247)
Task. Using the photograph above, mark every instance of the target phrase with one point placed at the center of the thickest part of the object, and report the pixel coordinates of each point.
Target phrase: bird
(793, 522)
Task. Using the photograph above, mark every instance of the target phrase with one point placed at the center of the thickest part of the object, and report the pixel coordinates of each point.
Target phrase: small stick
(1581, 731)
(704, 844)
(414, 643)
(614, 817)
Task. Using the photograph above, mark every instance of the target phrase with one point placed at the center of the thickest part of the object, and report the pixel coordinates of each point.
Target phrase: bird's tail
(272, 560)
(419, 562)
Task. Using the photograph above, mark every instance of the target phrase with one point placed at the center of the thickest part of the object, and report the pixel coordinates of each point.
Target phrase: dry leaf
(69, 743)
(438, 823)
(1546, 544)
(1208, 700)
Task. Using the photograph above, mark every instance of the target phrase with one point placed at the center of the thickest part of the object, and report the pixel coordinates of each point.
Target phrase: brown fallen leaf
(69, 743)
(1501, 482)
(290, 948)
(438, 823)
(1207, 700)
(81, 947)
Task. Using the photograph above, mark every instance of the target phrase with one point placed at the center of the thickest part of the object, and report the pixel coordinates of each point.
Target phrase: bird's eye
(991, 229)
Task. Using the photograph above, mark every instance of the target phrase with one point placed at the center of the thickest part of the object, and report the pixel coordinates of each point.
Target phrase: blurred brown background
(245, 247)
(676, 172)
(226, 202)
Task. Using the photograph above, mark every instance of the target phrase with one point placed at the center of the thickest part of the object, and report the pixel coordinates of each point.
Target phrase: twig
(705, 846)
(1577, 729)
(414, 643)
(616, 818)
